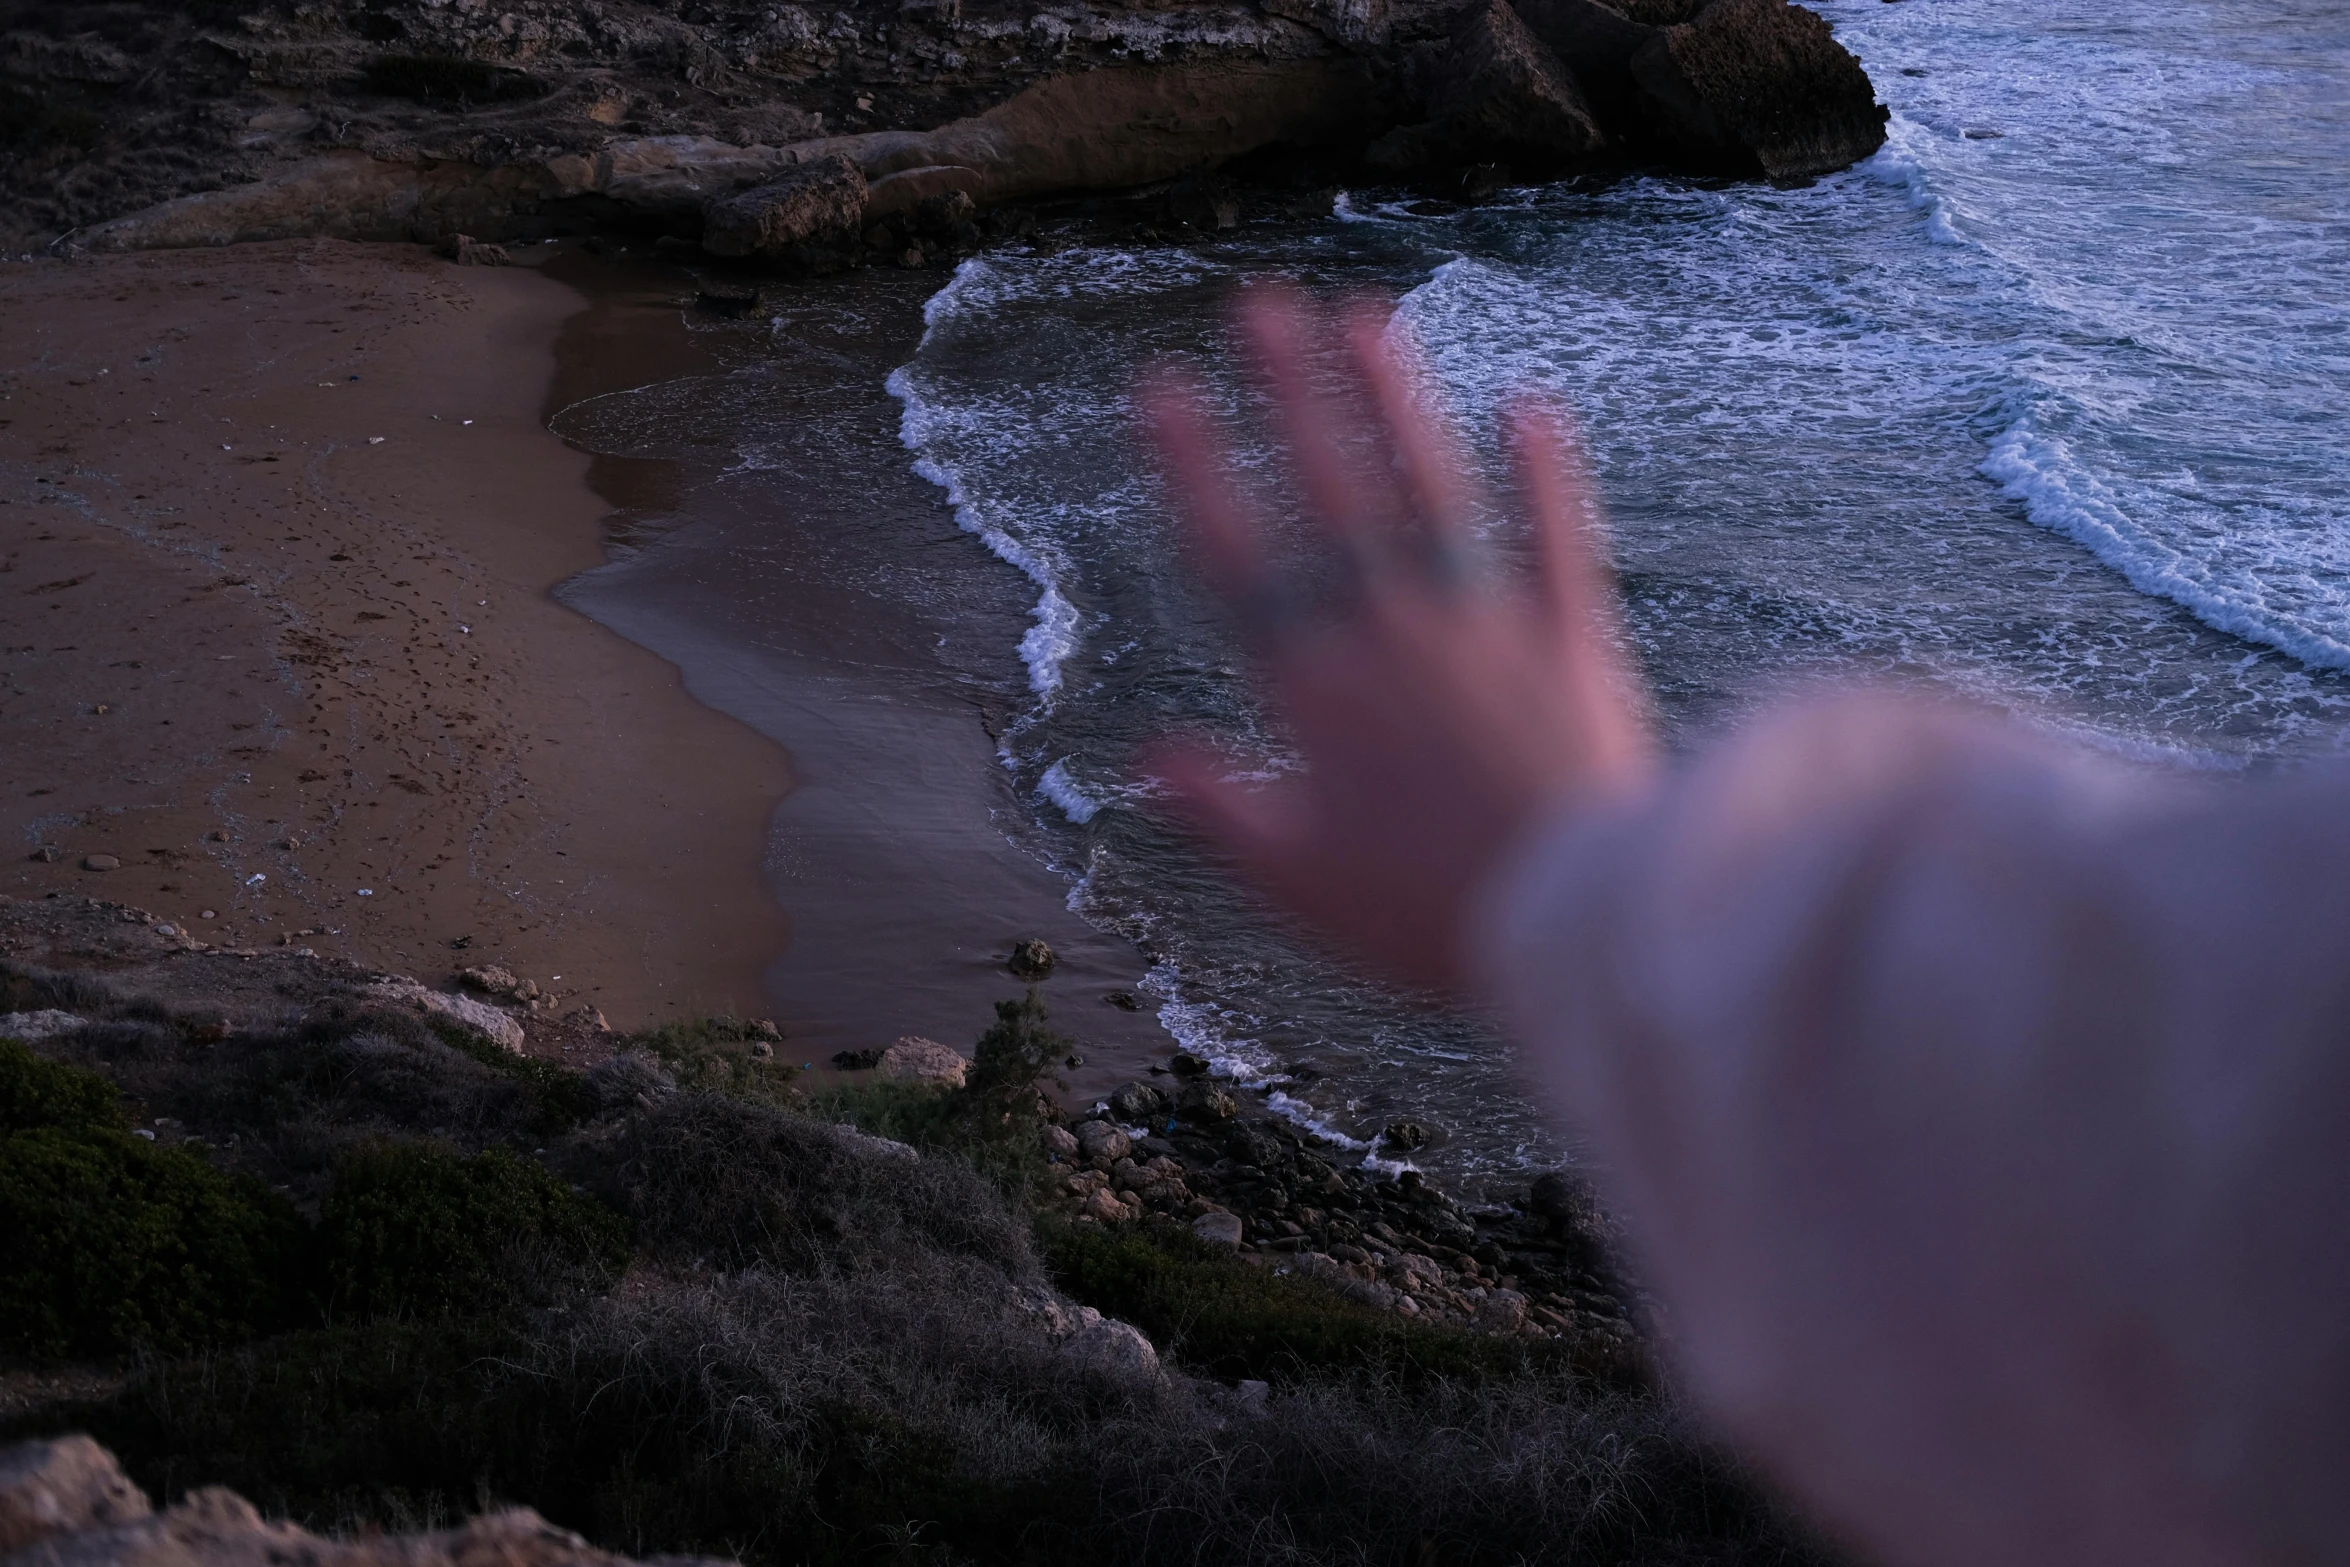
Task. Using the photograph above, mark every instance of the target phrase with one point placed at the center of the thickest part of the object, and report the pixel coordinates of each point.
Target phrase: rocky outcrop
(68, 1504)
(821, 202)
(925, 1062)
(1761, 84)
(1740, 87)
(538, 125)
(1498, 93)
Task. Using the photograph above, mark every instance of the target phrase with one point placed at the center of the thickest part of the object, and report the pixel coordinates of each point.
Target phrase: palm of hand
(1440, 717)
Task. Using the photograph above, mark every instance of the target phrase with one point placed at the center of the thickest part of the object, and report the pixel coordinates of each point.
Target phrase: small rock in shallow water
(1032, 959)
(1186, 1064)
(1405, 1135)
(1124, 1000)
(1206, 1102)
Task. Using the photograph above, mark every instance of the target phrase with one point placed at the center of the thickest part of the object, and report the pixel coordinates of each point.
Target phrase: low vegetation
(678, 1306)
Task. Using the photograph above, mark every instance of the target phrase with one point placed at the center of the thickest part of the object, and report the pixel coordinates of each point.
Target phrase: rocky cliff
(134, 123)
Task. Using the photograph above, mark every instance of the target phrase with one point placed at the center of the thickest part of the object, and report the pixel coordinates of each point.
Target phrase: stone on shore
(914, 1059)
(1101, 1142)
(1139, 1103)
(1058, 1141)
(1221, 1229)
(1201, 1101)
(819, 203)
(1032, 959)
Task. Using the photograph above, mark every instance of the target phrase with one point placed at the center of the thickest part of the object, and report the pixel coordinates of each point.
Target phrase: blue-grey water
(2042, 403)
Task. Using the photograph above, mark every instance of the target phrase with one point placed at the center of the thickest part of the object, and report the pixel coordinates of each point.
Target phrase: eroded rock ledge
(142, 126)
(68, 1504)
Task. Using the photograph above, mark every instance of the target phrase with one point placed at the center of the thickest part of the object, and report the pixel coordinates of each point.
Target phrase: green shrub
(1232, 1318)
(411, 1229)
(113, 1243)
(36, 1093)
(714, 1055)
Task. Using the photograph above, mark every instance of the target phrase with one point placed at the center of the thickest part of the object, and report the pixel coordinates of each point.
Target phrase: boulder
(1203, 1101)
(1058, 1141)
(1185, 1064)
(1759, 86)
(1100, 1142)
(1139, 1103)
(1032, 959)
(1499, 91)
(499, 1027)
(1596, 43)
(1405, 1136)
(1108, 1347)
(55, 1487)
(925, 1061)
(816, 204)
(1221, 1229)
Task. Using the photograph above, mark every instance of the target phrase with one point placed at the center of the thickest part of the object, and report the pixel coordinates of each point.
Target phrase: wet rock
(101, 862)
(733, 300)
(819, 203)
(1222, 1229)
(1124, 1000)
(1185, 1064)
(1205, 1102)
(1139, 1103)
(1032, 959)
(916, 1060)
(1405, 1136)
(1100, 1142)
(1762, 86)
(1500, 92)
(49, 1488)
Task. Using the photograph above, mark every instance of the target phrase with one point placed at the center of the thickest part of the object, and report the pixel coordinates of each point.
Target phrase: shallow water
(2040, 404)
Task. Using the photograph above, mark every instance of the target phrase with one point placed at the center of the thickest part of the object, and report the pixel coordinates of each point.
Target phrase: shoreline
(287, 523)
(282, 665)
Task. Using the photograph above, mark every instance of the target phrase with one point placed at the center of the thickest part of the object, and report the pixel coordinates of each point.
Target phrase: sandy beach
(280, 524)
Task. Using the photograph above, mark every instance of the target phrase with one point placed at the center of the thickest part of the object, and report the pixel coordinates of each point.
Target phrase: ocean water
(2042, 404)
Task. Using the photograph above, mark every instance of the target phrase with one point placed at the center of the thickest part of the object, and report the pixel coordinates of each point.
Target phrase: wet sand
(317, 661)
(278, 530)
(776, 545)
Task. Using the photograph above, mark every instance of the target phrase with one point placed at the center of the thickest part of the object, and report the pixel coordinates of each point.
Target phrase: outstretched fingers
(1229, 536)
(1389, 363)
(1262, 825)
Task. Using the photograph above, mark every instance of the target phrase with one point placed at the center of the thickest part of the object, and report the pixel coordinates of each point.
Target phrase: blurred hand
(1441, 713)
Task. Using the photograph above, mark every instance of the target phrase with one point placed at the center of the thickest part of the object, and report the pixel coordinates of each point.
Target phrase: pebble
(101, 862)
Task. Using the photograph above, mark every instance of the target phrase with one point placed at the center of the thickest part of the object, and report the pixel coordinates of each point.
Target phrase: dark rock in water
(1760, 85)
(1124, 1000)
(727, 299)
(814, 204)
(1185, 1064)
(1205, 1102)
(1139, 1103)
(1405, 1135)
(1032, 959)
(858, 1060)
(1500, 91)
(467, 251)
